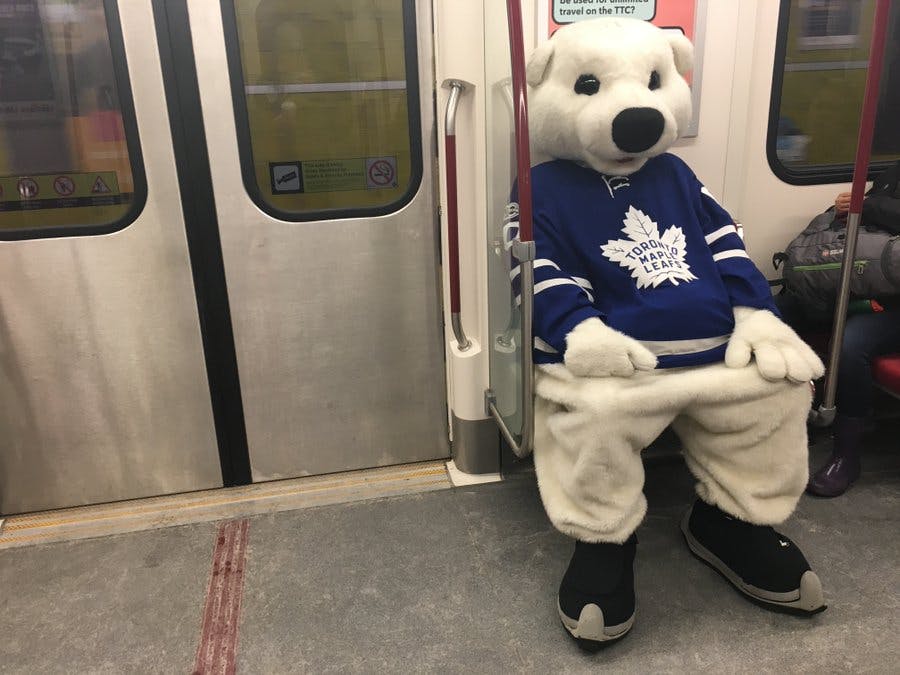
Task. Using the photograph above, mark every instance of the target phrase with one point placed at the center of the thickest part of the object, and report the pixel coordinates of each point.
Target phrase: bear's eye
(587, 84)
(654, 80)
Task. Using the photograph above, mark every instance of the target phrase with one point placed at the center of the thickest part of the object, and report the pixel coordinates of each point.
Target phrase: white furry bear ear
(683, 50)
(539, 63)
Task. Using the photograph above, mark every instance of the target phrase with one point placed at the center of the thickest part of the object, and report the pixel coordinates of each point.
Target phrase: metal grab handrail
(826, 412)
(456, 89)
(523, 246)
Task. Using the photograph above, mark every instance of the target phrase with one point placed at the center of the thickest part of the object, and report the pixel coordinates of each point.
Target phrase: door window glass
(326, 102)
(68, 145)
(820, 75)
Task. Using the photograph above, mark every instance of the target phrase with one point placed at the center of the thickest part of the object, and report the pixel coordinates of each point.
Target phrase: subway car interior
(267, 268)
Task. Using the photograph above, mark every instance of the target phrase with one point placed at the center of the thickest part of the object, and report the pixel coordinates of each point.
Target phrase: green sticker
(333, 175)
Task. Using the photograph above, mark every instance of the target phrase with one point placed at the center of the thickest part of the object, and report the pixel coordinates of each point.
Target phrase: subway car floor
(444, 580)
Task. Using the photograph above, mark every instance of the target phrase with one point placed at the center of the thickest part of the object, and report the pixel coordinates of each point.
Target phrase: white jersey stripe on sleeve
(721, 232)
(705, 191)
(584, 283)
(552, 283)
(542, 346)
(540, 262)
(733, 253)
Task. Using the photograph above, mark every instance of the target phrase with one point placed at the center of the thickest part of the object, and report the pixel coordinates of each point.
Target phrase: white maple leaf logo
(651, 258)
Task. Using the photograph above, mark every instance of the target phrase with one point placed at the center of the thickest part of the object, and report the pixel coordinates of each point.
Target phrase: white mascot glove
(779, 351)
(593, 349)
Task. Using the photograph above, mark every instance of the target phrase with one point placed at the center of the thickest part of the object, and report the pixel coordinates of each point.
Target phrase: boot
(843, 466)
(760, 562)
(596, 596)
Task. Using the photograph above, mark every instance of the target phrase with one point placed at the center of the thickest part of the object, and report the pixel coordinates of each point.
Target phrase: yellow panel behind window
(327, 102)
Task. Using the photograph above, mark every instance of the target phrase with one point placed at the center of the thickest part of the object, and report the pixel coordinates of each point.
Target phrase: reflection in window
(818, 89)
(64, 157)
(829, 23)
(331, 120)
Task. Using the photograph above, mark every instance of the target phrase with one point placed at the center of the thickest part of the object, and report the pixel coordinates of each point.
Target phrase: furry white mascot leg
(748, 452)
(588, 457)
(744, 439)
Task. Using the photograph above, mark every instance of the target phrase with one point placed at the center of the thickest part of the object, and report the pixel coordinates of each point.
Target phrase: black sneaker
(761, 563)
(596, 596)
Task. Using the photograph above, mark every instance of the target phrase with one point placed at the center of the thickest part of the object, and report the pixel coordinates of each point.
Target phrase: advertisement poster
(663, 13)
(26, 84)
(685, 16)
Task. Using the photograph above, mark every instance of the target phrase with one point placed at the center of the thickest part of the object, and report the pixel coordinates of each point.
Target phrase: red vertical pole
(452, 222)
(870, 105)
(462, 342)
(860, 173)
(520, 102)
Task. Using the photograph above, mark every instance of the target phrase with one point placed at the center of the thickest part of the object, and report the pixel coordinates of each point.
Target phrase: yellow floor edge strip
(205, 498)
(210, 505)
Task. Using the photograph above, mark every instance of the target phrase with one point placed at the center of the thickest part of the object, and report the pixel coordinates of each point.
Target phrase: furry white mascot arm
(779, 351)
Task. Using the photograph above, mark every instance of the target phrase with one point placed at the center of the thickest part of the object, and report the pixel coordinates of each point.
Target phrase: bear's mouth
(625, 160)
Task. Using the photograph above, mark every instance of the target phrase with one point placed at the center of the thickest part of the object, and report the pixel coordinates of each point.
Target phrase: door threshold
(462, 479)
(101, 520)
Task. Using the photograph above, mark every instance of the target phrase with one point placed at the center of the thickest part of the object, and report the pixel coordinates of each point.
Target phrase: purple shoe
(835, 477)
(843, 467)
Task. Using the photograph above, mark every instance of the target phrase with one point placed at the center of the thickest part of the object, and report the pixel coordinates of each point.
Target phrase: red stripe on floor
(217, 651)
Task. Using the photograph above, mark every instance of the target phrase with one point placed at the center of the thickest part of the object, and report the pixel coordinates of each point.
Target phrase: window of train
(817, 90)
(327, 105)
(69, 159)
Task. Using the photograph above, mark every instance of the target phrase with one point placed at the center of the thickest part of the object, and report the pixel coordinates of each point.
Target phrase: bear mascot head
(609, 93)
(648, 314)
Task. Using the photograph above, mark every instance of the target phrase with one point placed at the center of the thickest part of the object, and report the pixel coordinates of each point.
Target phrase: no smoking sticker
(381, 172)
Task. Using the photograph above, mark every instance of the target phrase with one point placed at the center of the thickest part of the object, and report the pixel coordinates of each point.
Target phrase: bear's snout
(637, 129)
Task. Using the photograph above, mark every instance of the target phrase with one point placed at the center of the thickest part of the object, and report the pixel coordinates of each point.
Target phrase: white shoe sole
(591, 626)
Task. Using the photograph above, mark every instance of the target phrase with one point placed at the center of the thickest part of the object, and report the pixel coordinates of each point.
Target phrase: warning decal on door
(333, 175)
(60, 191)
(381, 172)
(285, 178)
(100, 187)
(64, 186)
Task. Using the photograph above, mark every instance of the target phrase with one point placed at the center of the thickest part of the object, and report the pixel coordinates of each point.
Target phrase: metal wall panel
(103, 388)
(336, 323)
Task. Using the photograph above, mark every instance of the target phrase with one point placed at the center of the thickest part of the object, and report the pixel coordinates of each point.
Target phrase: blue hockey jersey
(651, 254)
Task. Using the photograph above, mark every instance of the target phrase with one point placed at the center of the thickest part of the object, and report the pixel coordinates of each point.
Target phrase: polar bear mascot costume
(649, 313)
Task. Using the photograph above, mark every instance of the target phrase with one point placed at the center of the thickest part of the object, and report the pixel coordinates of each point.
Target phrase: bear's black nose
(637, 129)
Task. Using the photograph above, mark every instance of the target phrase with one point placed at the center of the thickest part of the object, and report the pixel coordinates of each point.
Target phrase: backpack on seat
(812, 261)
(812, 264)
(881, 207)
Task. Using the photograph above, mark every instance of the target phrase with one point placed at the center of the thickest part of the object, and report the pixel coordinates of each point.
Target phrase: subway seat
(886, 371)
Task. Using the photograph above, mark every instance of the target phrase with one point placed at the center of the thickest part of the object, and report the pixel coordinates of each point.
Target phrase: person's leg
(745, 441)
(865, 337)
(589, 433)
(797, 316)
